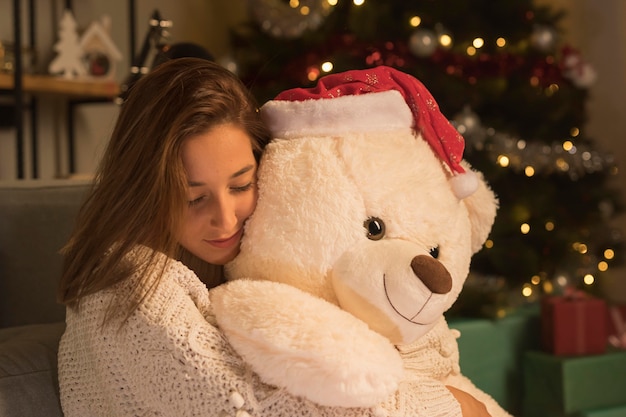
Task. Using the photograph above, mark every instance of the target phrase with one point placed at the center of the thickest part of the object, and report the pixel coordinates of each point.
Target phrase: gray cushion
(36, 219)
(28, 375)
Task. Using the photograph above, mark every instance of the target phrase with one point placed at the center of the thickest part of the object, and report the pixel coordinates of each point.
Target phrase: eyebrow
(235, 175)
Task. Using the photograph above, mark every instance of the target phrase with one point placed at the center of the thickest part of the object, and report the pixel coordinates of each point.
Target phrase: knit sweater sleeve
(170, 359)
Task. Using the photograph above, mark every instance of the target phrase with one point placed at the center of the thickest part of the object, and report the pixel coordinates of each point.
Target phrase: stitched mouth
(409, 319)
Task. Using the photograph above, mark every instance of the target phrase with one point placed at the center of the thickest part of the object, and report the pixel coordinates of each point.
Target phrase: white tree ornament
(68, 62)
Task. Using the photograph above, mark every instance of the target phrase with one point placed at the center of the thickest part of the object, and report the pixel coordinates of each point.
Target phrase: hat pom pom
(465, 184)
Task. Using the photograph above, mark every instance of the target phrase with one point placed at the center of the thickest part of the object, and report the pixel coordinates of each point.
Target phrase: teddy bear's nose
(432, 273)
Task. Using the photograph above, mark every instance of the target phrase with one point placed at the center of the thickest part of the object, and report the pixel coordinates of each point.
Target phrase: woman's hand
(470, 406)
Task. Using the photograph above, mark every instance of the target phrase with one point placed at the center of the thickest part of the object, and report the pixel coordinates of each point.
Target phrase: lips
(226, 243)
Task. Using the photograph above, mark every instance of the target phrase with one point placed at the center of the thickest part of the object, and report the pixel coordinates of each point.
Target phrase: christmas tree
(501, 74)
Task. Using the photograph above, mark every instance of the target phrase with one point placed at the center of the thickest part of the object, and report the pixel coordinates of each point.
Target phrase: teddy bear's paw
(306, 345)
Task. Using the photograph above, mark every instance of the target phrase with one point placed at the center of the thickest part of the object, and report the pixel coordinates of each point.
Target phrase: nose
(432, 273)
(223, 213)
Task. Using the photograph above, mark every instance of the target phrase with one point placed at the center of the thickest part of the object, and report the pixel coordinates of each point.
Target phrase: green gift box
(491, 353)
(605, 412)
(566, 386)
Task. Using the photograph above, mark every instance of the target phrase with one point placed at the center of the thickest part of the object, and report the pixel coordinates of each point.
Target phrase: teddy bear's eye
(375, 228)
(434, 252)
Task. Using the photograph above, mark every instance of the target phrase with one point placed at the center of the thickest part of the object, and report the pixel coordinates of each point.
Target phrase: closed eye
(196, 201)
(242, 188)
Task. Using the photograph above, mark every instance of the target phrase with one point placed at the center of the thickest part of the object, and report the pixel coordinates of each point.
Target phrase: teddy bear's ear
(481, 206)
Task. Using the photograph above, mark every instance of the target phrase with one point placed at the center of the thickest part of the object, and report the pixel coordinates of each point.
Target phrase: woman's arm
(470, 406)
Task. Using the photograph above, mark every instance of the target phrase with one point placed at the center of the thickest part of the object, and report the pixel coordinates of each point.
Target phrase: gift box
(617, 326)
(558, 386)
(619, 411)
(492, 352)
(574, 325)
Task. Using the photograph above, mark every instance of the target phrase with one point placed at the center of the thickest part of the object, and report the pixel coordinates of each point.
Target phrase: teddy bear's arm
(305, 344)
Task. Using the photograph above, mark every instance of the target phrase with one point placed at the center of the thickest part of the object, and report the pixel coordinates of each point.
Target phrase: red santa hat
(380, 98)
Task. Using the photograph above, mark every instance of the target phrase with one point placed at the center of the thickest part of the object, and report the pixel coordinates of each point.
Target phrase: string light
(603, 266)
(525, 228)
(415, 21)
(562, 164)
(501, 42)
(549, 226)
(358, 2)
(313, 73)
(503, 161)
(568, 145)
(327, 66)
(551, 90)
(609, 254)
(478, 43)
(489, 244)
(529, 171)
(445, 40)
(548, 288)
(527, 290)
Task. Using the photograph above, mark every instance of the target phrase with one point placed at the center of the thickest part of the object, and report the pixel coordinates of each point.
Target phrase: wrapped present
(574, 324)
(619, 411)
(499, 373)
(558, 386)
(617, 326)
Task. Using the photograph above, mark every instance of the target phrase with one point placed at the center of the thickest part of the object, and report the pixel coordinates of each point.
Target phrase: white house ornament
(91, 55)
(99, 53)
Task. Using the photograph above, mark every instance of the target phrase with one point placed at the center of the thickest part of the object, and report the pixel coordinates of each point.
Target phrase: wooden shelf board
(45, 84)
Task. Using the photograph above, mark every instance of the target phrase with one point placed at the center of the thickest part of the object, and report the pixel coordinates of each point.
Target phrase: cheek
(190, 226)
(247, 205)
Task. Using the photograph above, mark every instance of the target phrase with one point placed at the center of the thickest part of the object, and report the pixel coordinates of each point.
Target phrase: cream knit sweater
(170, 359)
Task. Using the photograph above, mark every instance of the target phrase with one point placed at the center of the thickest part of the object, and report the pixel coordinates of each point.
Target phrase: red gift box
(617, 326)
(574, 325)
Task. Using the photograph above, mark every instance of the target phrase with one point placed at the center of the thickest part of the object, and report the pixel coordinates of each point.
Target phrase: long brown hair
(138, 194)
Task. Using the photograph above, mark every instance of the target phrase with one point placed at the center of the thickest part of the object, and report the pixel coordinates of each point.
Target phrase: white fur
(315, 369)
(371, 112)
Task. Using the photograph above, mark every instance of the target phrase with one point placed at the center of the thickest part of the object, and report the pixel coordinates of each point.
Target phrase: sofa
(36, 219)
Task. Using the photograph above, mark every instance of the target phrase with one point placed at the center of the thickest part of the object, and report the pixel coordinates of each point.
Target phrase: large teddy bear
(362, 237)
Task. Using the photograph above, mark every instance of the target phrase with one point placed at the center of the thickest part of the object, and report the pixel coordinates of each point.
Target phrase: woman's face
(221, 192)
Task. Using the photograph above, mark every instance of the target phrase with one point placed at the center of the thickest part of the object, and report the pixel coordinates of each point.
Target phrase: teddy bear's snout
(432, 273)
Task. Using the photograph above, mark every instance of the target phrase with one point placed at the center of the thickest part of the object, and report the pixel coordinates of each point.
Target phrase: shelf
(45, 84)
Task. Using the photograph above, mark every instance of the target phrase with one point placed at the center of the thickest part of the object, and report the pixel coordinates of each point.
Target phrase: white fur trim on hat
(376, 111)
(464, 185)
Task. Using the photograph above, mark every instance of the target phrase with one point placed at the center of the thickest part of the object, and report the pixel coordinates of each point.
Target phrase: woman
(167, 209)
